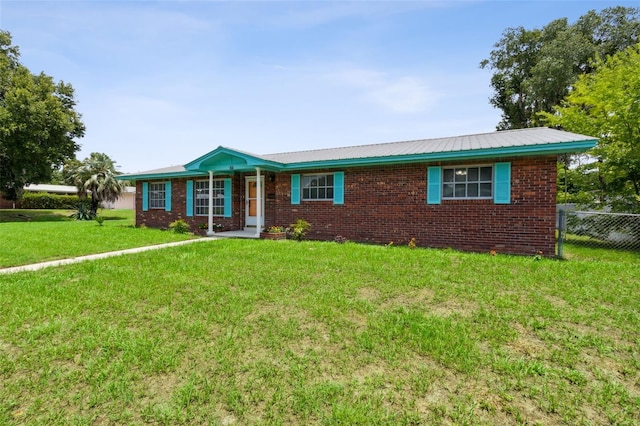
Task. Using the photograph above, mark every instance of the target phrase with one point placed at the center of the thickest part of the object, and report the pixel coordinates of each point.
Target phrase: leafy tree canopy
(533, 70)
(606, 104)
(38, 123)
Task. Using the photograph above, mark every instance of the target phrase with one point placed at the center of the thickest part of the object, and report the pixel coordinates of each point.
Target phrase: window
(202, 197)
(157, 195)
(317, 187)
(467, 182)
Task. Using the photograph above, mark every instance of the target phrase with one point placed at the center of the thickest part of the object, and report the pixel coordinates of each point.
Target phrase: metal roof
(508, 138)
(535, 141)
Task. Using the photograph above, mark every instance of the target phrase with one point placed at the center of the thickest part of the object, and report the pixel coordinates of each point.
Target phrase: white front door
(251, 201)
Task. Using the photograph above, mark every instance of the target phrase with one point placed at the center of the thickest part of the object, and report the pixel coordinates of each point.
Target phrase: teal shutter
(338, 188)
(145, 196)
(227, 197)
(167, 196)
(434, 184)
(502, 183)
(295, 189)
(189, 197)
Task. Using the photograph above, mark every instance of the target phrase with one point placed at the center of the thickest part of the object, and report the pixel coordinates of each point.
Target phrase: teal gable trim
(227, 197)
(434, 184)
(167, 196)
(502, 183)
(155, 176)
(295, 189)
(189, 197)
(145, 196)
(229, 160)
(338, 188)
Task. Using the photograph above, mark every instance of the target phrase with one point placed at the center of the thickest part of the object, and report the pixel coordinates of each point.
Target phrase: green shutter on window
(434, 184)
(189, 198)
(227, 197)
(502, 183)
(167, 196)
(338, 188)
(145, 196)
(295, 189)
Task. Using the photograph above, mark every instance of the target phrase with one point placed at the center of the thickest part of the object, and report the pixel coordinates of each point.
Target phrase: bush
(297, 231)
(44, 200)
(179, 226)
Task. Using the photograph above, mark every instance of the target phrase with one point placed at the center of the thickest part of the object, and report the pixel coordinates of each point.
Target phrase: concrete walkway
(37, 266)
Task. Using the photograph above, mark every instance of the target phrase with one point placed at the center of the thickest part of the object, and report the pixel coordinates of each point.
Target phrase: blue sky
(160, 83)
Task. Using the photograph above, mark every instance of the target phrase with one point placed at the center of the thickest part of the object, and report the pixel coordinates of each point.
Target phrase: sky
(160, 83)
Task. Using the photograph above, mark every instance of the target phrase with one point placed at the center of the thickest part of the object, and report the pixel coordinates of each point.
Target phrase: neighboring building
(494, 191)
(127, 201)
(36, 187)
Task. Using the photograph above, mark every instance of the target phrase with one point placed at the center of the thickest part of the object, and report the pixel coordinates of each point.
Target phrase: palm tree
(96, 175)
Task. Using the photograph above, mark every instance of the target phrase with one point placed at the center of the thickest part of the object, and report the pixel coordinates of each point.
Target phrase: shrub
(298, 231)
(44, 200)
(83, 213)
(179, 226)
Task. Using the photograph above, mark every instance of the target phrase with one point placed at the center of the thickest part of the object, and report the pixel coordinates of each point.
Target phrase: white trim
(325, 187)
(466, 182)
(259, 201)
(254, 219)
(210, 215)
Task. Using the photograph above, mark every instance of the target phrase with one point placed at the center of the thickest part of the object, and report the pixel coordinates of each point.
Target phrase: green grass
(279, 332)
(586, 248)
(32, 236)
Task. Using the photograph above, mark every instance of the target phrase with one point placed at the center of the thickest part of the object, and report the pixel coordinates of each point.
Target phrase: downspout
(259, 203)
(210, 229)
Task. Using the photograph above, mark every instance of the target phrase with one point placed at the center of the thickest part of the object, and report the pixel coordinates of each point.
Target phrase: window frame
(306, 190)
(479, 182)
(157, 194)
(218, 197)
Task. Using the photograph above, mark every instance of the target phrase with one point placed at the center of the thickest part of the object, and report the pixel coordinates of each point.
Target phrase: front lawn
(279, 332)
(31, 236)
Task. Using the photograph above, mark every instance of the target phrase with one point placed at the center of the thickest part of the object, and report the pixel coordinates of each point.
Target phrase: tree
(38, 123)
(606, 104)
(535, 69)
(96, 175)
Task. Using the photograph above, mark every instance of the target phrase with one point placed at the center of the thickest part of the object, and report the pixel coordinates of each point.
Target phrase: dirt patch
(527, 343)
(369, 294)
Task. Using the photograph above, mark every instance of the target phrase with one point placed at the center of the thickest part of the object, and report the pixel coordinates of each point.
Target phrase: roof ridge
(405, 141)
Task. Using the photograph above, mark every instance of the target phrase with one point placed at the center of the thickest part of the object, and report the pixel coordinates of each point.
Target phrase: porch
(243, 233)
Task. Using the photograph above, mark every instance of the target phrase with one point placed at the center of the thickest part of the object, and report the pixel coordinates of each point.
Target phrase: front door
(251, 201)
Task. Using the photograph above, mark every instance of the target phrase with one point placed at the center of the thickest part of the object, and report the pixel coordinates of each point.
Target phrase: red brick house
(494, 191)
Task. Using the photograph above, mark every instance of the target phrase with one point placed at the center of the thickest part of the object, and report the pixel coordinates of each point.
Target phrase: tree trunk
(95, 203)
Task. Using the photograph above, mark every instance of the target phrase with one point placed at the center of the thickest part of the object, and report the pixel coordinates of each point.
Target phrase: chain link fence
(598, 230)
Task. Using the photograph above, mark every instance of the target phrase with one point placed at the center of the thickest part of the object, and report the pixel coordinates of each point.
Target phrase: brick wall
(383, 204)
(159, 218)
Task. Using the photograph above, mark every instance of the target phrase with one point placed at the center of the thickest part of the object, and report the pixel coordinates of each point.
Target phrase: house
(36, 187)
(126, 201)
(494, 191)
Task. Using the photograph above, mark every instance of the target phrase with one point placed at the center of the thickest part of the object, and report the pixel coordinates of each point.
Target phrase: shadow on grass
(34, 216)
(24, 215)
(590, 248)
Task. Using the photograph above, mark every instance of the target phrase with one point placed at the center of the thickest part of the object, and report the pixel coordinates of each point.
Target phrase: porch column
(259, 203)
(210, 229)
